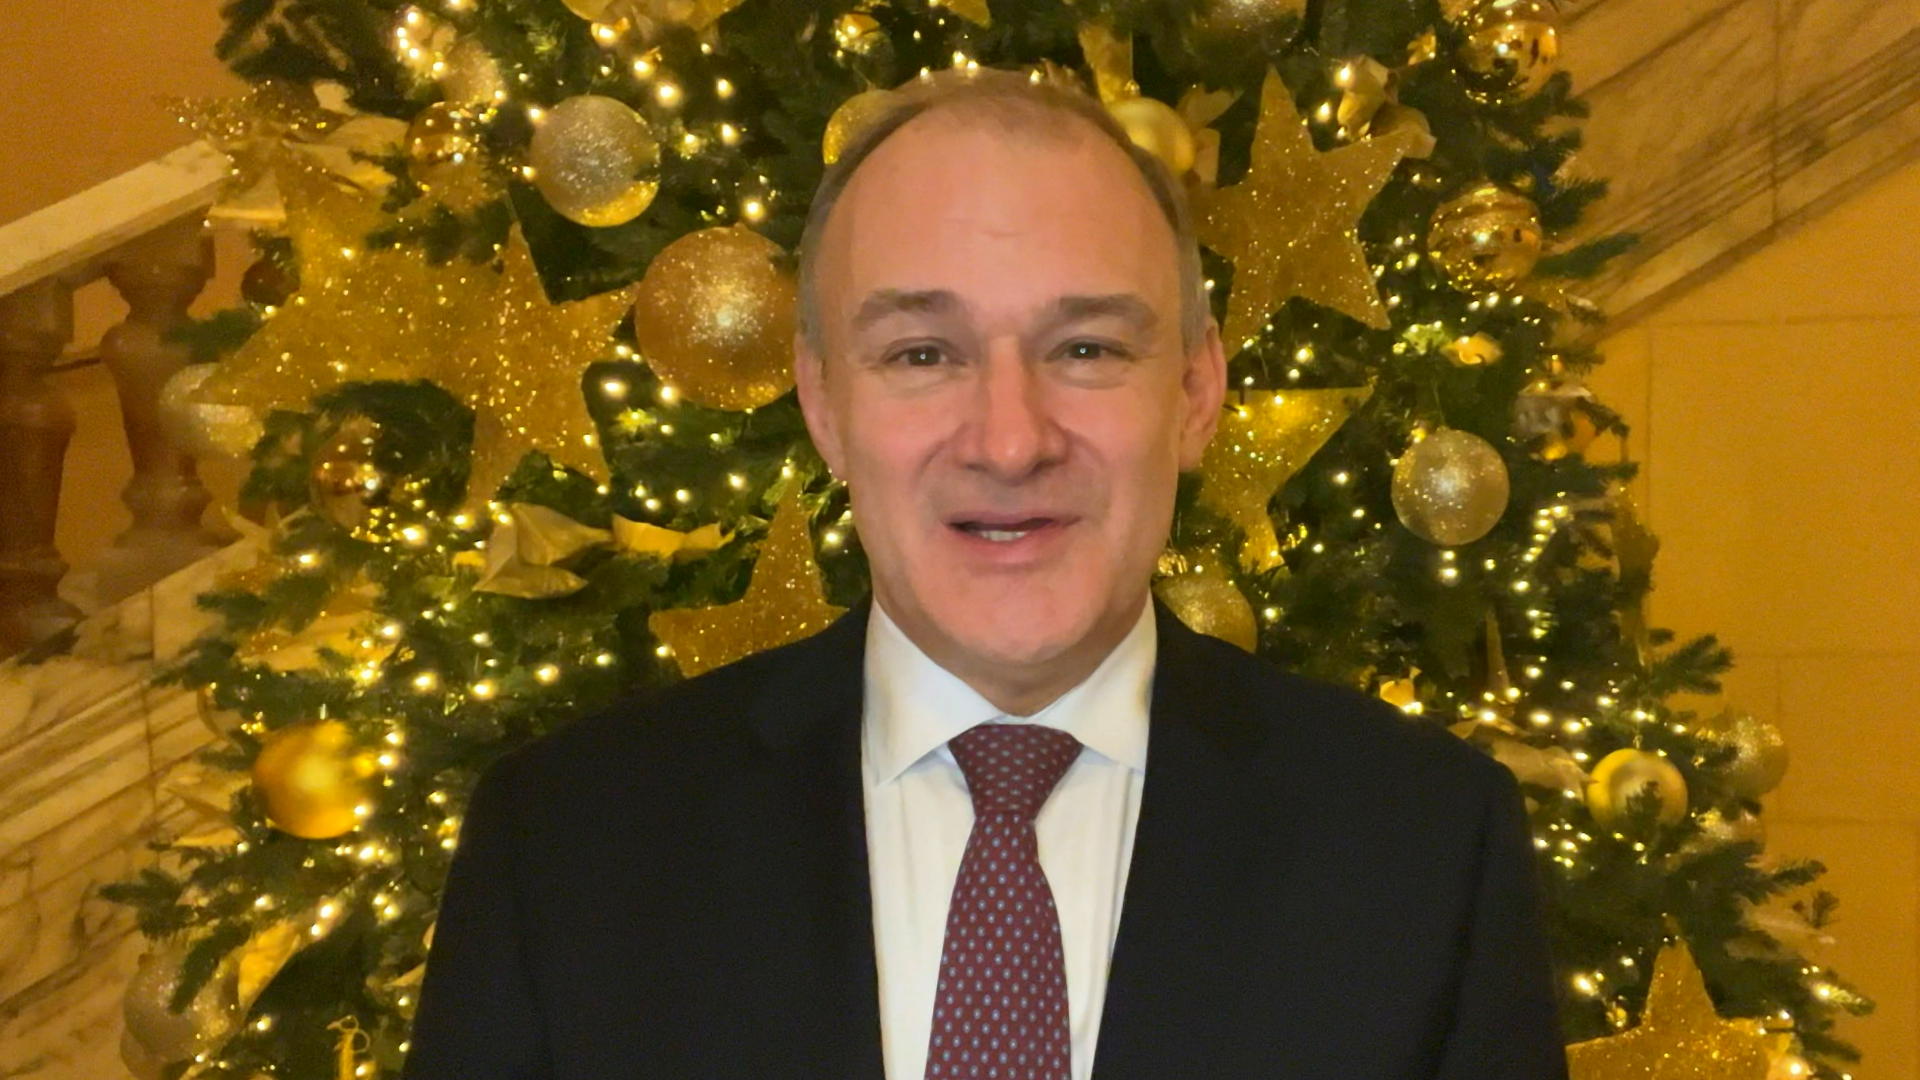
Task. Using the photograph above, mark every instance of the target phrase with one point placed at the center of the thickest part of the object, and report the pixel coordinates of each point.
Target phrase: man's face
(1004, 388)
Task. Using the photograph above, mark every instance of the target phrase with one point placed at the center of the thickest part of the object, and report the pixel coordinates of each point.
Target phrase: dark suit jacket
(678, 890)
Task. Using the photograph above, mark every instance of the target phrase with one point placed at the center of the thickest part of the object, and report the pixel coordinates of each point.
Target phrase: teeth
(1001, 536)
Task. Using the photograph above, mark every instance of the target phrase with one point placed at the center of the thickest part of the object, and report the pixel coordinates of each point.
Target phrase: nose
(1011, 432)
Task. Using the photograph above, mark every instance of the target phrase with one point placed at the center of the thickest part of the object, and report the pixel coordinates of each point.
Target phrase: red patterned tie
(1001, 1010)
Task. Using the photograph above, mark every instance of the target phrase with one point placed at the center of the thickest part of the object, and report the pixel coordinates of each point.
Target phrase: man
(1009, 818)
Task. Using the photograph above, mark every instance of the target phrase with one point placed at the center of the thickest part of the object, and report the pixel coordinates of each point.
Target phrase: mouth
(1003, 529)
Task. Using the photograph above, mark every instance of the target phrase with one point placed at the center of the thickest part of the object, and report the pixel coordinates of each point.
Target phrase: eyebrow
(1127, 307)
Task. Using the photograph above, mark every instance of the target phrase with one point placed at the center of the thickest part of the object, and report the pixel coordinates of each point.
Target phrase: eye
(1091, 350)
(920, 356)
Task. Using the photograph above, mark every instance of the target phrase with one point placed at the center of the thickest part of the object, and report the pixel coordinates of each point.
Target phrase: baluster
(158, 275)
(36, 423)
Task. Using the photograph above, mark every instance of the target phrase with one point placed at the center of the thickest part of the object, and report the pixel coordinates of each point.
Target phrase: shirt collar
(914, 706)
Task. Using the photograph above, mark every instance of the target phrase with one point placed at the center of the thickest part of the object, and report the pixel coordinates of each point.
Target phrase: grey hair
(1019, 101)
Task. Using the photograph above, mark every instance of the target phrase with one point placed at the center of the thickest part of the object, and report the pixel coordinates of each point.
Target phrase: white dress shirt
(919, 815)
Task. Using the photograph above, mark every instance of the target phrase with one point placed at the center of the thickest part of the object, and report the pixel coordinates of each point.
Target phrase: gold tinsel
(1261, 442)
(1680, 1036)
(1289, 224)
(783, 603)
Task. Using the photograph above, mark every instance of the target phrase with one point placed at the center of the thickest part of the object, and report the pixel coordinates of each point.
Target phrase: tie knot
(1012, 768)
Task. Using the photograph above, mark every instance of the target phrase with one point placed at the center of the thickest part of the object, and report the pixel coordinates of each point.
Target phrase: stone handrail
(145, 232)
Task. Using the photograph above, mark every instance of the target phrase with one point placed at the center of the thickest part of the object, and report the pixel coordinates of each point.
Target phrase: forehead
(1008, 217)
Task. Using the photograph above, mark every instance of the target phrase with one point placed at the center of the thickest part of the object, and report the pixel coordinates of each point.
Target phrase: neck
(1021, 689)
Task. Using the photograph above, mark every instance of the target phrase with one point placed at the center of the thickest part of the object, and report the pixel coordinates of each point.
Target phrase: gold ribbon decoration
(522, 556)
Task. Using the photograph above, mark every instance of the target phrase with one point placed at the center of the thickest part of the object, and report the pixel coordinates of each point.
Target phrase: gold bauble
(441, 135)
(1211, 605)
(595, 160)
(1623, 774)
(314, 780)
(346, 482)
(1249, 17)
(1450, 488)
(1759, 752)
(156, 1036)
(1486, 238)
(203, 430)
(1156, 128)
(847, 121)
(472, 77)
(857, 32)
(714, 318)
(1508, 49)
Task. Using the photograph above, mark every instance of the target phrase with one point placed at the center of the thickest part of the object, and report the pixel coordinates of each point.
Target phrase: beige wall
(1777, 412)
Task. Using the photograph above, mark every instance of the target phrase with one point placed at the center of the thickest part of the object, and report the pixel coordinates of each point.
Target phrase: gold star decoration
(784, 603)
(1680, 1036)
(1288, 226)
(1261, 442)
(489, 335)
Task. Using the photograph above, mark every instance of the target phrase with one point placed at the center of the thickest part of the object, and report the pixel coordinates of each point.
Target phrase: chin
(1010, 623)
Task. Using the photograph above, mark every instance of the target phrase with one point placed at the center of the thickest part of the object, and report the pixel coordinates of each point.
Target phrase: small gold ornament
(1450, 488)
(314, 781)
(155, 1035)
(1211, 605)
(346, 479)
(1289, 224)
(714, 317)
(1624, 774)
(1760, 752)
(1249, 17)
(205, 431)
(1508, 50)
(784, 603)
(472, 78)
(596, 161)
(1487, 238)
(847, 121)
(1477, 350)
(442, 134)
(1680, 1037)
(1559, 413)
(1262, 440)
(1155, 127)
(857, 32)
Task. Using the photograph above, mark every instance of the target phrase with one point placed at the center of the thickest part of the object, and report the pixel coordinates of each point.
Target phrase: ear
(1204, 387)
(810, 382)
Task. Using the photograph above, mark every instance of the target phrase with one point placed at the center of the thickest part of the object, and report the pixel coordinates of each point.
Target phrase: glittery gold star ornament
(1263, 439)
(1680, 1036)
(358, 315)
(518, 367)
(783, 603)
(1289, 224)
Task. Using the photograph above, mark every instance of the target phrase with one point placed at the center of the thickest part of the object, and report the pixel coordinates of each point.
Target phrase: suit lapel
(809, 722)
(1189, 916)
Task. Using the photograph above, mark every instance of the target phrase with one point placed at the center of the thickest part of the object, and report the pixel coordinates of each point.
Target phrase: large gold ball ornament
(714, 318)
(1450, 488)
(1249, 17)
(1759, 752)
(441, 134)
(155, 1035)
(472, 78)
(202, 430)
(314, 780)
(346, 481)
(847, 121)
(1155, 127)
(1508, 49)
(1211, 605)
(595, 160)
(1623, 774)
(1486, 238)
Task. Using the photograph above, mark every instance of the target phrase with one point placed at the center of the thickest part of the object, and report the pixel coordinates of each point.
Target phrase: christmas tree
(514, 368)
